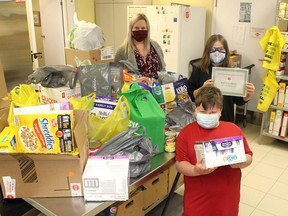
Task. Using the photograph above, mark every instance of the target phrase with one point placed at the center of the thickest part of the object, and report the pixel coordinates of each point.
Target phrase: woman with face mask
(216, 54)
(209, 191)
(139, 52)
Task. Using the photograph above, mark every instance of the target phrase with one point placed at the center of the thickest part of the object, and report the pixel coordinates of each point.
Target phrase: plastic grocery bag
(84, 103)
(146, 111)
(268, 91)
(101, 130)
(21, 96)
(86, 36)
(272, 43)
(131, 142)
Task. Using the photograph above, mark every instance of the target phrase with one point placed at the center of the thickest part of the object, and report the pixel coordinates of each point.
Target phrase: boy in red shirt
(209, 191)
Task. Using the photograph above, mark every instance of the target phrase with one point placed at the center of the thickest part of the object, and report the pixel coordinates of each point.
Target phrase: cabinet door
(120, 24)
(104, 19)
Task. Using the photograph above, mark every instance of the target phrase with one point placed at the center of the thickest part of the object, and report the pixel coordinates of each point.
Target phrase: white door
(243, 23)
(54, 29)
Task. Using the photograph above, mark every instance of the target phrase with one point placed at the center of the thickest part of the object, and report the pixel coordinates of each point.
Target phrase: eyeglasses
(217, 49)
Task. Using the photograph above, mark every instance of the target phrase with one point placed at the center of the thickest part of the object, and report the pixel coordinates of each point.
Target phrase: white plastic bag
(86, 36)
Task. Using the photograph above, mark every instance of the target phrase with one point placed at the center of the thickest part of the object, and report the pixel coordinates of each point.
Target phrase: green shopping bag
(145, 111)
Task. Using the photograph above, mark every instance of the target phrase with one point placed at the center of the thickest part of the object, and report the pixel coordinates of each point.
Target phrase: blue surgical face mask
(207, 120)
(217, 57)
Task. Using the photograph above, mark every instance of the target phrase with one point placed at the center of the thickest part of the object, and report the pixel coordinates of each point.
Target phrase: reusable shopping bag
(101, 130)
(103, 79)
(146, 111)
(131, 142)
(272, 43)
(268, 91)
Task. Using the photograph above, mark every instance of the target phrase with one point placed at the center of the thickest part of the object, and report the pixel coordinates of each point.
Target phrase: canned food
(170, 141)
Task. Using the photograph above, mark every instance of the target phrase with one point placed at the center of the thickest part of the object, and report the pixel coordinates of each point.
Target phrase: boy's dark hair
(209, 97)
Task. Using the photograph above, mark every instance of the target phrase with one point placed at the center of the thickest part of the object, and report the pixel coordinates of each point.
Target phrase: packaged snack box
(49, 132)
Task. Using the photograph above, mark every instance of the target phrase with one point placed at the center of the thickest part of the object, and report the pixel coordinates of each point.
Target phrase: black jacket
(198, 78)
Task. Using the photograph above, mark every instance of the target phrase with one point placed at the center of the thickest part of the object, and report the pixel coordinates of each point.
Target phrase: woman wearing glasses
(216, 54)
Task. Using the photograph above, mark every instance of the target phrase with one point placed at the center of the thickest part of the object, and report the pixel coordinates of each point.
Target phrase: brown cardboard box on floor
(44, 175)
(98, 56)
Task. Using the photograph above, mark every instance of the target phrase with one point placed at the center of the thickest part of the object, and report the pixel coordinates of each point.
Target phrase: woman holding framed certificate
(216, 54)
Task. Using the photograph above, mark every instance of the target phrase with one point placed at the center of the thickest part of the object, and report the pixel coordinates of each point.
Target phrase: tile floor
(264, 190)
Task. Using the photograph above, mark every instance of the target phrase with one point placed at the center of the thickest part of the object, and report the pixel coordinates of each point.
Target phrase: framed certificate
(231, 81)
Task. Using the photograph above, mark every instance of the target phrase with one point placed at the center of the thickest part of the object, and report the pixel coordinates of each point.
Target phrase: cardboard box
(106, 178)
(236, 60)
(98, 56)
(221, 152)
(61, 94)
(155, 189)
(283, 132)
(277, 122)
(281, 94)
(3, 92)
(104, 106)
(46, 175)
(271, 122)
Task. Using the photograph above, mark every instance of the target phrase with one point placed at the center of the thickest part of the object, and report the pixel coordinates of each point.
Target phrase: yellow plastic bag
(102, 130)
(272, 43)
(21, 96)
(268, 91)
(84, 103)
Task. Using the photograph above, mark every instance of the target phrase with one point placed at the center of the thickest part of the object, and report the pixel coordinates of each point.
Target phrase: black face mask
(140, 35)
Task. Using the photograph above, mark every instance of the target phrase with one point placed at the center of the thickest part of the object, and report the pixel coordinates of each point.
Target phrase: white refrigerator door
(243, 24)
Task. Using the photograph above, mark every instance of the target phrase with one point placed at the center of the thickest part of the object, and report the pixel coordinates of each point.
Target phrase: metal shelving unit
(266, 116)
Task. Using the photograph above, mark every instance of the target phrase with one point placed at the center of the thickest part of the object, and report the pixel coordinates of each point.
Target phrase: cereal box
(50, 132)
(104, 106)
(7, 140)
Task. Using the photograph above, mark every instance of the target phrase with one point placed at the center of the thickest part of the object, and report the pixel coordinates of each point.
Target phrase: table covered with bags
(161, 177)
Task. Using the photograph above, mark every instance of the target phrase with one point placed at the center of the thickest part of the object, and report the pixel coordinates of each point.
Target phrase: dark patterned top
(151, 66)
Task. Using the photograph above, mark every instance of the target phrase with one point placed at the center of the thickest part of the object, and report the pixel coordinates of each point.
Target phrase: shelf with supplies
(275, 120)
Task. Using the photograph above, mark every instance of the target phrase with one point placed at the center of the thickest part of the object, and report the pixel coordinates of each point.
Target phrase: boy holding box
(209, 191)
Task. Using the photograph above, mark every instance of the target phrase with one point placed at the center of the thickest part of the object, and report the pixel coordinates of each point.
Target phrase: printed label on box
(221, 152)
(106, 178)
(107, 53)
(61, 94)
(104, 106)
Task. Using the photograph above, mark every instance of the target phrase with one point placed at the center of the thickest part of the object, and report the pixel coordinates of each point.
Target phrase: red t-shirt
(217, 193)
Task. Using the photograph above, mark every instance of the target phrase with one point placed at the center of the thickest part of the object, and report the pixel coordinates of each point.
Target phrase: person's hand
(250, 91)
(202, 170)
(208, 82)
(237, 165)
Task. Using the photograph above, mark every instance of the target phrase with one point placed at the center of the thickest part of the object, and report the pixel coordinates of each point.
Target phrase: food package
(49, 132)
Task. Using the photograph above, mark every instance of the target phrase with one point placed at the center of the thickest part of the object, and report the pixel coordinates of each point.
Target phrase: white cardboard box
(221, 152)
(61, 94)
(106, 178)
